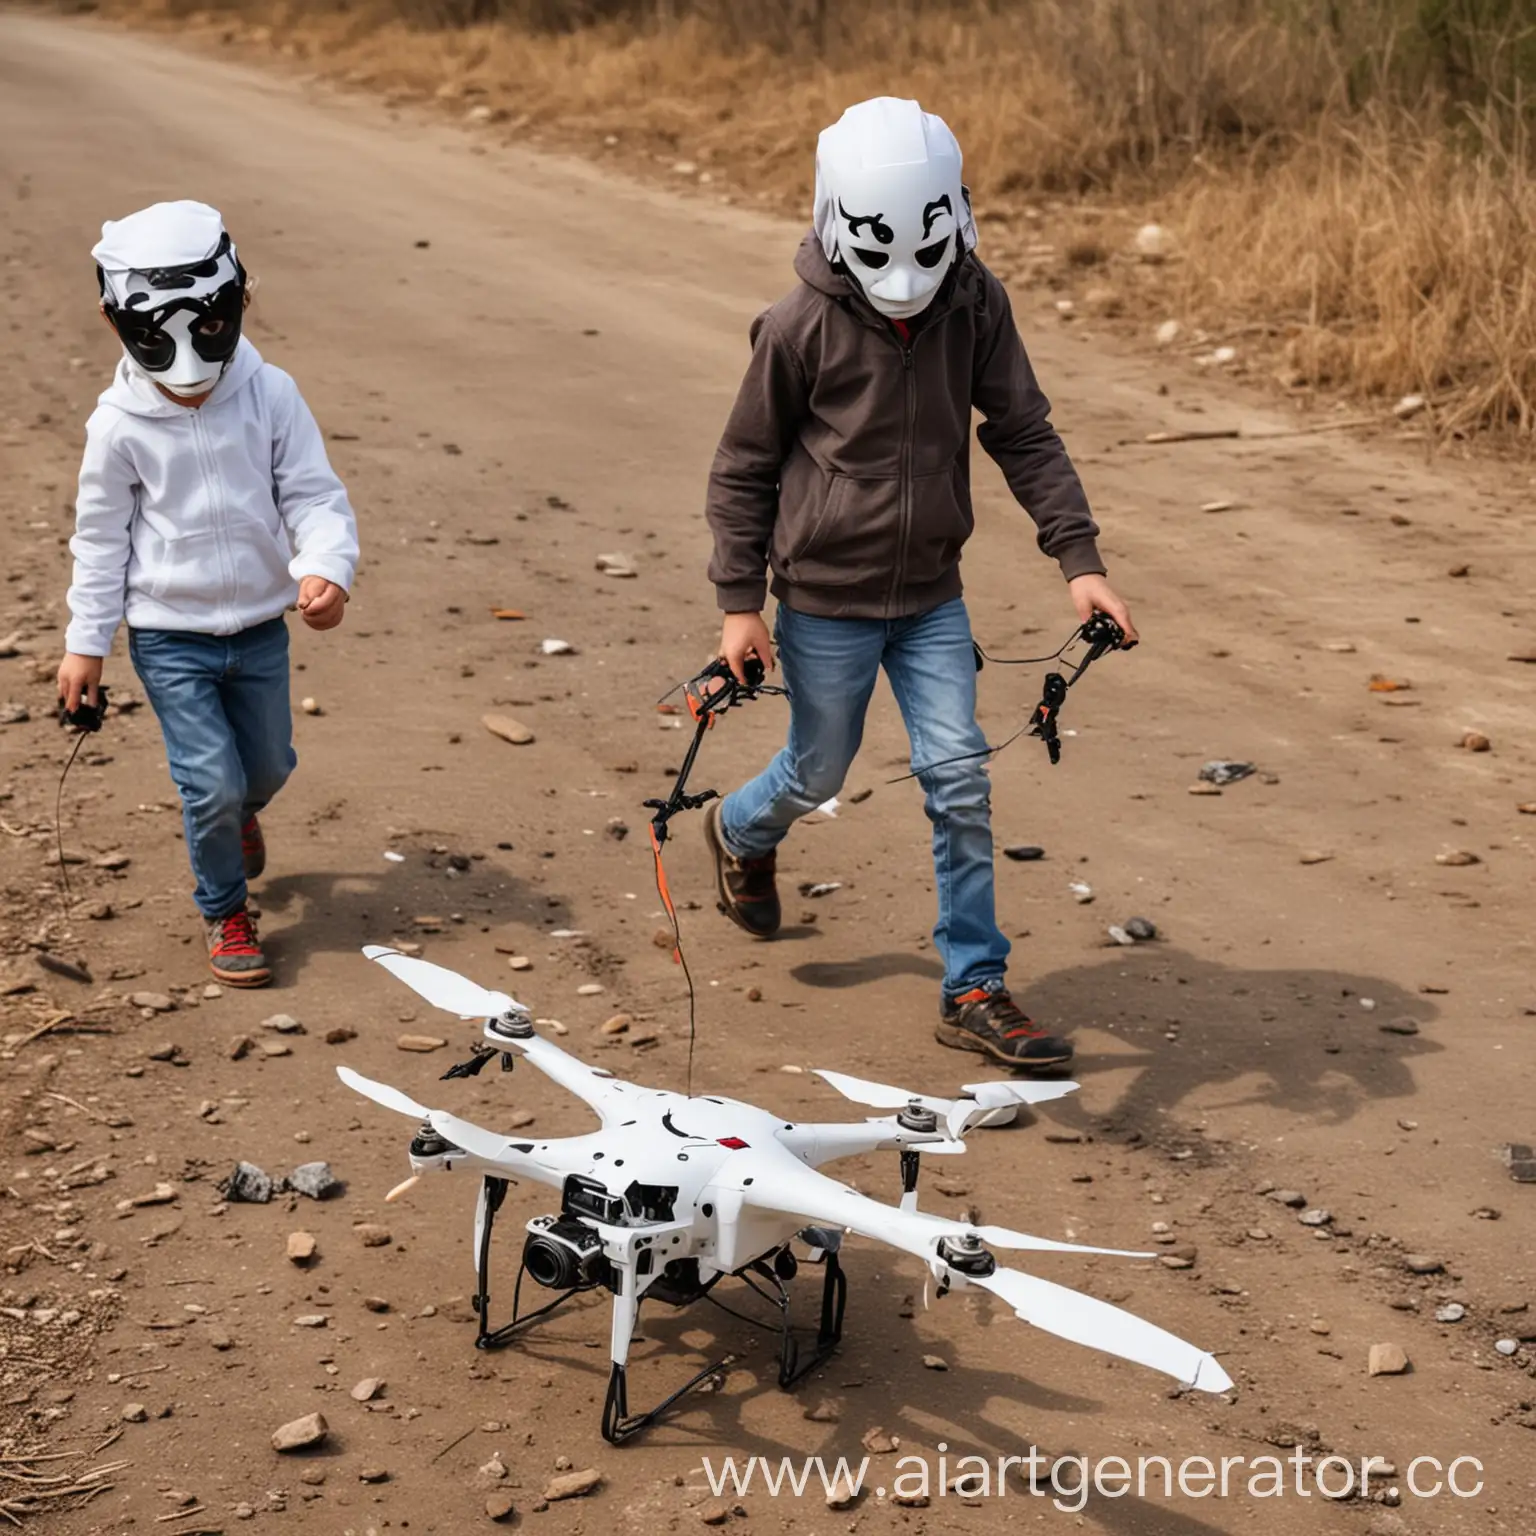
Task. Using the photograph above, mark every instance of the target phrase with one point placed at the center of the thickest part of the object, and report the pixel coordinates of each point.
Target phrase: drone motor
(966, 1255)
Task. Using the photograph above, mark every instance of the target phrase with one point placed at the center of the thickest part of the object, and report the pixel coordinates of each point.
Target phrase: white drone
(675, 1193)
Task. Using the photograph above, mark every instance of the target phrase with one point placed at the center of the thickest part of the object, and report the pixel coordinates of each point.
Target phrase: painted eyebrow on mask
(934, 209)
(876, 221)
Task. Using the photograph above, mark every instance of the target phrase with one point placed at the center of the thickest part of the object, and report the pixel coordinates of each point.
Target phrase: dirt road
(522, 365)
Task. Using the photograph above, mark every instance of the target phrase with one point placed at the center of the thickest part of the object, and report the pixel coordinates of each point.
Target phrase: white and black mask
(174, 290)
(891, 208)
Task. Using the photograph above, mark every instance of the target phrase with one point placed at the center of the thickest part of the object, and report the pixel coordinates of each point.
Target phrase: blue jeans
(222, 703)
(830, 667)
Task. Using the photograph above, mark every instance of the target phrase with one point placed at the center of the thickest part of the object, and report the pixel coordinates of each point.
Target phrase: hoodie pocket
(942, 521)
(842, 534)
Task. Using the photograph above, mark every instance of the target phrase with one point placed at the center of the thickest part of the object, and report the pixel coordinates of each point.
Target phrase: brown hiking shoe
(254, 846)
(991, 1023)
(234, 951)
(748, 893)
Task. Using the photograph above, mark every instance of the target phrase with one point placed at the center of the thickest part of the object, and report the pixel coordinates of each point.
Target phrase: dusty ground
(522, 365)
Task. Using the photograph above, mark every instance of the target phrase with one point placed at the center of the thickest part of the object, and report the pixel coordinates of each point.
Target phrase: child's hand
(322, 603)
(79, 677)
(1093, 594)
(743, 635)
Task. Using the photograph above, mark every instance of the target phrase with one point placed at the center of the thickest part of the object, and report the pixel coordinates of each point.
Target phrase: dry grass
(1352, 178)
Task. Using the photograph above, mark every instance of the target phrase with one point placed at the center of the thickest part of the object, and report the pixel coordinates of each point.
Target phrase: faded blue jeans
(222, 703)
(830, 668)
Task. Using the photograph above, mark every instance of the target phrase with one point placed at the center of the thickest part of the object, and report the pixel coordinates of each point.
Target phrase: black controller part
(86, 717)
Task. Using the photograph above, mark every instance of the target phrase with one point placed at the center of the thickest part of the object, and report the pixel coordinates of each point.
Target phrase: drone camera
(562, 1253)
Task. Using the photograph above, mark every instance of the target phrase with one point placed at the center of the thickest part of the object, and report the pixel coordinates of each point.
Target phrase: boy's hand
(743, 635)
(322, 603)
(79, 677)
(1093, 594)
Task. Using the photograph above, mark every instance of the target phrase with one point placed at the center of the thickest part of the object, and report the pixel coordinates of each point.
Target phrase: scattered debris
(1024, 853)
(1082, 892)
(1381, 683)
(302, 1247)
(1387, 1360)
(300, 1434)
(1474, 741)
(1222, 771)
(315, 1181)
(508, 729)
(557, 648)
(1118, 935)
(1316, 856)
(1142, 929)
(1451, 1312)
(820, 887)
(1422, 1264)
(420, 1043)
(311, 707)
(371, 1235)
(935, 1363)
(247, 1185)
(1457, 857)
(283, 1024)
(1409, 407)
(618, 566)
(572, 1485)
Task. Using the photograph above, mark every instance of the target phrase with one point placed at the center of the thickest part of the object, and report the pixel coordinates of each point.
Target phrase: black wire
(58, 822)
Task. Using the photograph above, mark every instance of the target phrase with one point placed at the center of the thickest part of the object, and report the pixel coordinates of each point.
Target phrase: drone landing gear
(618, 1423)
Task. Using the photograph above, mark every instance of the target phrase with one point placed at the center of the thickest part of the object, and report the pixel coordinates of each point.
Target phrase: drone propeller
(486, 1145)
(382, 1093)
(1084, 1320)
(981, 1099)
(1004, 1237)
(443, 988)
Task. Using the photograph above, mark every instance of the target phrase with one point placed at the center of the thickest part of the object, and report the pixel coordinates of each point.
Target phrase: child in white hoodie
(207, 507)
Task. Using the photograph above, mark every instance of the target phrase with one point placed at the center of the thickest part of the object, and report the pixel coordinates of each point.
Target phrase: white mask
(174, 290)
(890, 204)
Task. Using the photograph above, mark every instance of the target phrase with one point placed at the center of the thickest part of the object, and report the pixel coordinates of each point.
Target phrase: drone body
(674, 1193)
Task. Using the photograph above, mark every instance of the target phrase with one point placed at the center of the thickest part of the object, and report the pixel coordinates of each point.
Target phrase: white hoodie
(203, 519)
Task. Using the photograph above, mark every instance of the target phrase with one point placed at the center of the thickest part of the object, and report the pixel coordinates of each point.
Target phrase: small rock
(878, 1443)
(1291, 1197)
(340, 1035)
(820, 888)
(1387, 1360)
(1082, 892)
(301, 1247)
(311, 707)
(1024, 853)
(590, 989)
(1222, 771)
(283, 1024)
(1452, 1312)
(714, 1514)
(315, 1181)
(1168, 333)
(1508, 1347)
(1141, 929)
(572, 1485)
(371, 1235)
(935, 1363)
(367, 1389)
(212, 992)
(134, 1413)
(617, 828)
(1153, 243)
(372, 1475)
(617, 1025)
(1400, 1026)
(508, 729)
(618, 566)
(155, 1002)
(420, 1043)
(1118, 934)
(1315, 1218)
(274, 1048)
(299, 1434)
(499, 1506)
(842, 1494)
(311, 1320)
(1474, 741)
(557, 648)
(825, 1412)
(1409, 406)
(1316, 856)
(375, 1304)
(519, 963)
(1457, 858)
(1422, 1264)
(247, 1185)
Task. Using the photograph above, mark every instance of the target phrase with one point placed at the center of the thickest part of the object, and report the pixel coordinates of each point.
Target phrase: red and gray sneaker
(254, 847)
(991, 1023)
(748, 892)
(234, 951)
